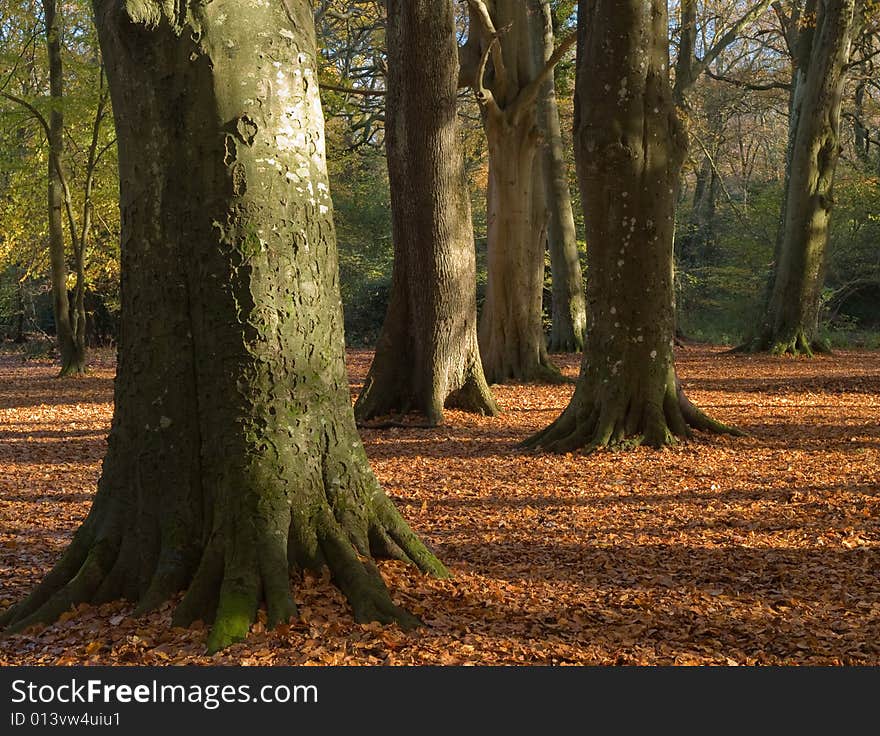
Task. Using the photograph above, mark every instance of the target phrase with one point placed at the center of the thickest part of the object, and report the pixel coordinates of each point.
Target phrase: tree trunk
(511, 334)
(568, 303)
(697, 243)
(512, 342)
(73, 359)
(791, 322)
(629, 146)
(18, 334)
(427, 355)
(233, 455)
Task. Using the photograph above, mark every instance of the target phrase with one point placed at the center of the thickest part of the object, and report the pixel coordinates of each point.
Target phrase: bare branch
(529, 94)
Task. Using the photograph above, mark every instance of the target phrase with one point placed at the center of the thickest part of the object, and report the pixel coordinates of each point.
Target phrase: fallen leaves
(763, 550)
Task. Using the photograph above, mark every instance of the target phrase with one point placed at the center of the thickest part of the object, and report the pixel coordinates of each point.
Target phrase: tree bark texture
(233, 456)
(511, 334)
(629, 146)
(568, 320)
(791, 322)
(427, 356)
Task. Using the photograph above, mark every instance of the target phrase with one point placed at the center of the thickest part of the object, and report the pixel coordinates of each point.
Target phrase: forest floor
(761, 550)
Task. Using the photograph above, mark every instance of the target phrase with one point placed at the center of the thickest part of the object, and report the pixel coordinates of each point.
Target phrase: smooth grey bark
(568, 319)
(791, 321)
(427, 356)
(233, 457)
(71, 340)
(507, 80)
(629, 146)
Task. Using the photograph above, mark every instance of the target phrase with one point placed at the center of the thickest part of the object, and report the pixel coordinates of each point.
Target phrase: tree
(64, 93)
(568, 304)
(509, 34)
(822, 48)
(427, 355)
(71, 341)
(233, 454)
(629, 147)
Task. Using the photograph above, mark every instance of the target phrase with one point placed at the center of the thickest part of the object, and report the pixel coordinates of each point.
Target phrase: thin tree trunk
(629, 146)
(233, 455)
(72, 355)
(427, 356)
(568, 303)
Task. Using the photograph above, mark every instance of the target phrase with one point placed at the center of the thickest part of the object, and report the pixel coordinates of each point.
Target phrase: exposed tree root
(389, 393)
(797, 345)
(72, 369)
(590, 425)
(567, 343)
(247, 561)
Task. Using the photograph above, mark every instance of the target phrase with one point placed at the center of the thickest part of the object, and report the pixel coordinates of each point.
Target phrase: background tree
(500, 62)
(630, 146)
(825, 30)
(427, 356)
(568, 317)
(55, 120)
(233, 454)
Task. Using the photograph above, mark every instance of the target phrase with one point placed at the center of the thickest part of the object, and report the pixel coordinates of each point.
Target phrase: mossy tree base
(245, 562)
(799, 345)
(76, 367)
(596, 420)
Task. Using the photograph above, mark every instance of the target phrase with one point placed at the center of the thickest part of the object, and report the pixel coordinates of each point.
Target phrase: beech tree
(629, 147)
(70, 201)
(822, 33)
(500, 62)
(427, 355)
(568, 319)
(233, 455)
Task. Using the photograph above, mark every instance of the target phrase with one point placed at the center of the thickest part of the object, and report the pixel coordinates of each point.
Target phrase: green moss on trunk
(233, 457)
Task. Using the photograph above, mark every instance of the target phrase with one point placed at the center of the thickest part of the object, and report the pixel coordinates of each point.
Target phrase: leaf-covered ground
(764, 550)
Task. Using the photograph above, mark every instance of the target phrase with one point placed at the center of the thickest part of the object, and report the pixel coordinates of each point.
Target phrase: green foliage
(720, 297)
(359, 185)
(24, 162)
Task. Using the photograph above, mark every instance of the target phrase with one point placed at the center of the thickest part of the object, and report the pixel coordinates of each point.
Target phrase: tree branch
(480, 11)
(529, 94)
(728, 38)
(748, 85)
(353, 90)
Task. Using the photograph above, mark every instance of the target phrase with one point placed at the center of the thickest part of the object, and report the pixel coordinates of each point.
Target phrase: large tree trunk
(629, 146)
(791, 322)
(233, 455)
(511, 334)
(72, 350)
(568, 319)
(427, 355)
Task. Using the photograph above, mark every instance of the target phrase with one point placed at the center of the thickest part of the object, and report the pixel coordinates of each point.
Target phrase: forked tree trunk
(233, 455)
(568, 319)
(791, 322)
(511, 334)
(70, 346)
(427, 356)
(629, 146)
